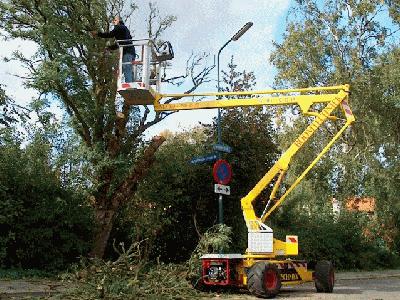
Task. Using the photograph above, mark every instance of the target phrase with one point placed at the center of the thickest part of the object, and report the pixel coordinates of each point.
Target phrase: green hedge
(342, 240)
(42, 225)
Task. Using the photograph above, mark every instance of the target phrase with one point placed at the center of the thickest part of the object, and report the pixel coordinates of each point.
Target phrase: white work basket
(260, 240)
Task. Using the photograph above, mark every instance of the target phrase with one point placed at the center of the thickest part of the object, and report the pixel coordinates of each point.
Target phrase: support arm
(304, 98)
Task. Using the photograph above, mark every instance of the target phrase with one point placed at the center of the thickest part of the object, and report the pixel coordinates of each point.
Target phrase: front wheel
(324, 277)
(264, 280)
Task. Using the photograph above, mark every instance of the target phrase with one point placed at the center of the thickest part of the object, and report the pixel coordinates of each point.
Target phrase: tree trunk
(104, 224)
(106, 208)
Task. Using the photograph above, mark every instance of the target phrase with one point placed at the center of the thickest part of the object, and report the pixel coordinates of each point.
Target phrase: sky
(201, 26)
(205, 25)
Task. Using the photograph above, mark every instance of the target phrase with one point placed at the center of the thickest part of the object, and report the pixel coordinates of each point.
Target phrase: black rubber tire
(324, 277)
(256, 281)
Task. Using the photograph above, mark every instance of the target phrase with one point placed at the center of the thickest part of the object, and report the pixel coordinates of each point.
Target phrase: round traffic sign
(222, 171)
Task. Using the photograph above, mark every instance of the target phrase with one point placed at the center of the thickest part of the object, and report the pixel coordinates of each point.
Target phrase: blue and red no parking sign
(222, 171)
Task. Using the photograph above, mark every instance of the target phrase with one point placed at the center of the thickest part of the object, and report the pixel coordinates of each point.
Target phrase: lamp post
(233, 38)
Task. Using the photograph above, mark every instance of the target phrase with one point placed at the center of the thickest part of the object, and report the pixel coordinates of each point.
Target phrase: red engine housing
(222, 269)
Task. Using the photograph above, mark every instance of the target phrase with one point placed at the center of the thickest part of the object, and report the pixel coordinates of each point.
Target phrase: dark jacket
(119, 32)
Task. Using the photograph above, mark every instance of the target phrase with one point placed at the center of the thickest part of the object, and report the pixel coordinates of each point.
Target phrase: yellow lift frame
(305, 98)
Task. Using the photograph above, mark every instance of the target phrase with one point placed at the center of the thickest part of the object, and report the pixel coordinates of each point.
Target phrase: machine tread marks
(324, 277)
(261, 286)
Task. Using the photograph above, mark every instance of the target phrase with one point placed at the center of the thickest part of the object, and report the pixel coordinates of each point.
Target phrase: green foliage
(236, 81)
(336, 42)
(350, 53)
(129, 277)
(13, 273)
(216, 239)
(42, 225)
(9, 111)
(132, 277)
(175, 203)
(353, 240)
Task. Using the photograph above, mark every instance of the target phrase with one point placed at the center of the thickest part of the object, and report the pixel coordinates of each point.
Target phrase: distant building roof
(366, 204)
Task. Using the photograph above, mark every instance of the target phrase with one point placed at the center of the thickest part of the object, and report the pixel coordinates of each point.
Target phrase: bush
(42, 225)
(131, 276)
(343, 241)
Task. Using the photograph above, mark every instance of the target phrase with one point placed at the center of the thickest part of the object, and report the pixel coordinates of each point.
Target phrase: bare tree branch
(156, 21)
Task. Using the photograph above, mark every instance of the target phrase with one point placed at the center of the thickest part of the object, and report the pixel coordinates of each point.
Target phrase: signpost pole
(220, 210)
(234, 38)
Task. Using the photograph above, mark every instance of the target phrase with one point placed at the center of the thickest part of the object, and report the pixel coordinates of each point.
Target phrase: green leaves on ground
(129, 277)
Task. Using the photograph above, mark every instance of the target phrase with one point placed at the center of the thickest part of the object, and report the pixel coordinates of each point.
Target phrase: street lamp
(233, 38)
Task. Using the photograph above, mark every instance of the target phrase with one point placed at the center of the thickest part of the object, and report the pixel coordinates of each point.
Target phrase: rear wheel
(324, 277)
(264, 280)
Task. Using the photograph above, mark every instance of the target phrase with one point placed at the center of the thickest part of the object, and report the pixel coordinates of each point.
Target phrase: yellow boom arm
(332, 97)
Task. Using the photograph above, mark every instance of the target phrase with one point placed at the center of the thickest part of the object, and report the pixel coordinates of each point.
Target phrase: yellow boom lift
(267, 263)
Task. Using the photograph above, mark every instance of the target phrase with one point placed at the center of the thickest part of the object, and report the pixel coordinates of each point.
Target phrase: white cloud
(14, 85)
(182, 120)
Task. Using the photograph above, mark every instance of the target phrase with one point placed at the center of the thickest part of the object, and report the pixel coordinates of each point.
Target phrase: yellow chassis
(300, 274)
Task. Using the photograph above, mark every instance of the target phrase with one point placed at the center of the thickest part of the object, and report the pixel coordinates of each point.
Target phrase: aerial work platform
(145, 89)
(137, 95)
(145, 68)
(263, 268)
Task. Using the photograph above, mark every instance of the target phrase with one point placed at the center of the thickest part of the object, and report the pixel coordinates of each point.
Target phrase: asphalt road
(378, 285)
(376, 288)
